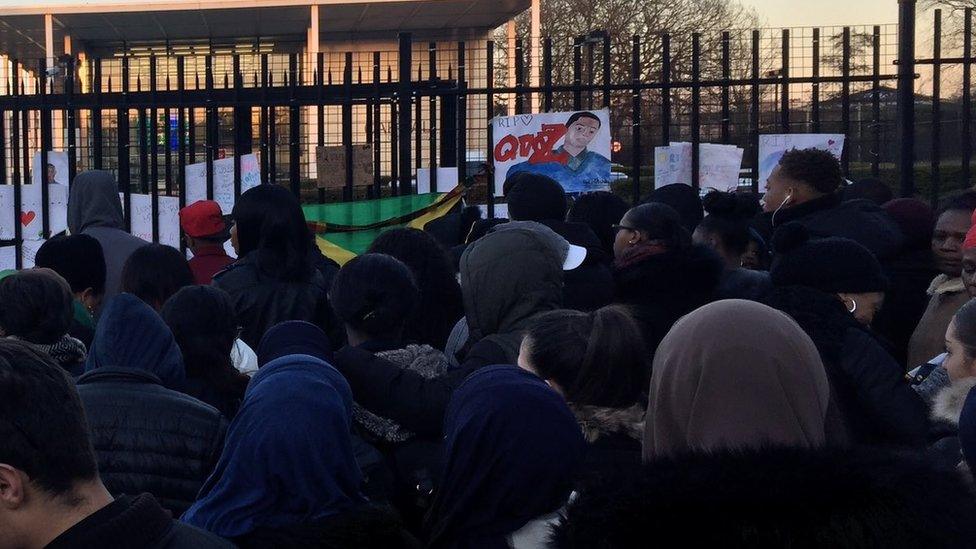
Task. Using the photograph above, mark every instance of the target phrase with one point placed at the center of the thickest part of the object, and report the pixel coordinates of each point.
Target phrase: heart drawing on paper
(27, 217)
(831, 142)
(525, 119)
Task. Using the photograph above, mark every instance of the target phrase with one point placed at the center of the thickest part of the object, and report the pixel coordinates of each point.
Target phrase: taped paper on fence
(57, 170)
(30, 216)
(447, 178)
(571, 147)
(718, 165)
(772, 147)
(330, 164)
(169, 218)
(223, 186)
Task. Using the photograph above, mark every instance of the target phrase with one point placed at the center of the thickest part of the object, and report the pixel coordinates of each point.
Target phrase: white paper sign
(223, 186)
(772, 147)
(57, 162)
(29, 251)
(571, 147)
(718, 165)
(501, 211)
(30, 215)
(169, 218)
(447, 179)
(672, 164)
(8, 258)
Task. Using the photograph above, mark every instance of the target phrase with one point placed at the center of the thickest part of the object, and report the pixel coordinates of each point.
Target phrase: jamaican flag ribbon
(344, 230)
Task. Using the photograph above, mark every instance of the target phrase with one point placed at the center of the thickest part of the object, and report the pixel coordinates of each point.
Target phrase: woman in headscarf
(288, 476)
(148, 436)
(832, 287)
(294, 337)
(733, 375)
(512, 448)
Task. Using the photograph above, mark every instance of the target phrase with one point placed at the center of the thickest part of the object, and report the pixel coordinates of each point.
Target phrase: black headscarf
(511, 447)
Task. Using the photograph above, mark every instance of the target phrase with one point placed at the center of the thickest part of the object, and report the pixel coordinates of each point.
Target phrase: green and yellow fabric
(344, 230)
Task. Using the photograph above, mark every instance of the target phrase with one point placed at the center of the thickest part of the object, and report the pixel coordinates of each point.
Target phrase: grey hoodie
(94, 209)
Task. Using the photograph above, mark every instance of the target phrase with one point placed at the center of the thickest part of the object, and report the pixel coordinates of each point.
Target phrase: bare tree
(564, 21)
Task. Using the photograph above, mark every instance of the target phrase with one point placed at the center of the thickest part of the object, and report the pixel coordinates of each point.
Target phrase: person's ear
(89, 299)
(12, 487)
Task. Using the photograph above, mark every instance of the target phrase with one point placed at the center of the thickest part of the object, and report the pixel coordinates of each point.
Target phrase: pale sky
(812, 13)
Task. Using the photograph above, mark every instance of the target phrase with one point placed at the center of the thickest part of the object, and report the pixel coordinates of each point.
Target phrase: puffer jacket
(261, 301)
(149, 438)
(862, 221)
(871, 401)
(508, 277)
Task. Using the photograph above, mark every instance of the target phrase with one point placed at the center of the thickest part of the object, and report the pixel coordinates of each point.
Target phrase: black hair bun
(721, 204)
(790, 237)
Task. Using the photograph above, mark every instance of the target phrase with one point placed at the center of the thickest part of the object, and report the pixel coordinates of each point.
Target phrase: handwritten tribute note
(223, 186)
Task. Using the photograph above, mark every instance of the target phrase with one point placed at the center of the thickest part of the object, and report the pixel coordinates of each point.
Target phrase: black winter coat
(261, 301)
(774, 498)
(662, 288)
(870, 396)
(149, 438)
(130, 522)
(862, 221)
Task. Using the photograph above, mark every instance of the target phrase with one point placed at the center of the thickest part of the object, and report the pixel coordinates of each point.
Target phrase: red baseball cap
(203, 219)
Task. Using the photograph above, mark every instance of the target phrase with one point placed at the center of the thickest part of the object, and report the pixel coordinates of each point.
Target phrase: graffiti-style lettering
(506, 149)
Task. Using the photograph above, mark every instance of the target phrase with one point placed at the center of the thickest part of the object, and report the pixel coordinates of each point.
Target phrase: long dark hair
(271, 225)
(204, 324)
(660, 222)
(598, 358)
(440, 293)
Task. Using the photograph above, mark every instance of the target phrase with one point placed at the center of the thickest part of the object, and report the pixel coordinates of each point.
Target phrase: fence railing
(429, 105)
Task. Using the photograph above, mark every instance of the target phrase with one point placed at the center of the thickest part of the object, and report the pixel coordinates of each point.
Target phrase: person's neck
(573, 151)
(58, 517)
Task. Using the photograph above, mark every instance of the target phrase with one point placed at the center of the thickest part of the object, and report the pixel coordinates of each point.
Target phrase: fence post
(294, 122)
(404, 112)
(695, 110)
(936, 170)
(906, 96)
(635, 136)
(967, 96)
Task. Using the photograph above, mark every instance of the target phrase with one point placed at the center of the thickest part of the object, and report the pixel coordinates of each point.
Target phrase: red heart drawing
(26, 218)
(830, 142)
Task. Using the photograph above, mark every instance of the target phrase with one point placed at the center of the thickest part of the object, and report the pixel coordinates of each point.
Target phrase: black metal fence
(429, 105)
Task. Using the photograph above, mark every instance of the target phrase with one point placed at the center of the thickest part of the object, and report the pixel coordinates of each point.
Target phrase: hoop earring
(853, 308)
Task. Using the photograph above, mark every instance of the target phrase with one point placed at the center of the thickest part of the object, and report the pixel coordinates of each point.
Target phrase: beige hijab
(735, 374)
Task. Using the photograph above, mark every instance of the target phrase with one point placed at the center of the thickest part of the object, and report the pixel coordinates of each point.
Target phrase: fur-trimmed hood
(855, 497)
(598, 421)
(947, 405)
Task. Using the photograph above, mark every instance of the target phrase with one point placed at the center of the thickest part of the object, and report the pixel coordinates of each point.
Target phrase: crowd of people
(794, 371)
